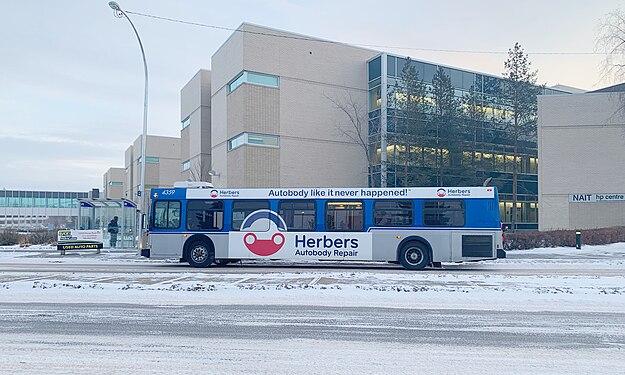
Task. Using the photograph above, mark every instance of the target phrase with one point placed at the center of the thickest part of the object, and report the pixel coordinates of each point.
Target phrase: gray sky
(71, 77)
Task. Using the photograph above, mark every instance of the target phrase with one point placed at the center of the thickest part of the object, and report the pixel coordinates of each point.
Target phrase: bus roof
(326, 193)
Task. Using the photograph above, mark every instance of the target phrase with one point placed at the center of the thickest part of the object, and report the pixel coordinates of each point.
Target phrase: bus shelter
(98, 213)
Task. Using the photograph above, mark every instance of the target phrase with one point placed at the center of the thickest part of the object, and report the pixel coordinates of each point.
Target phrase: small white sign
(593, 198)
(74, 235)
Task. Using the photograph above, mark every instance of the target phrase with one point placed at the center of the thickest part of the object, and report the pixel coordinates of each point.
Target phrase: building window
(152, 159)
(186, 122)
(186, 165)
(253, 78)
(375, 68)
(254, 139)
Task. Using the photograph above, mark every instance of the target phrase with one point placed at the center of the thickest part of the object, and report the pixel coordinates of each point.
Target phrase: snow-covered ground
(541, 279)
(541, 311)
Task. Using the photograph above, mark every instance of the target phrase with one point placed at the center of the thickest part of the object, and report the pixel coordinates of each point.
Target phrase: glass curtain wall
(483, 144)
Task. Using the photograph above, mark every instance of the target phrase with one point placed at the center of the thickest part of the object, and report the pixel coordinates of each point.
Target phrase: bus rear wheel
(200, 254)
(414, 256)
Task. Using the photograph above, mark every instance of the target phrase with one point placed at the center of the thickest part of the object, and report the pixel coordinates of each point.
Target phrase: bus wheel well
(198, 240)
(419, 239)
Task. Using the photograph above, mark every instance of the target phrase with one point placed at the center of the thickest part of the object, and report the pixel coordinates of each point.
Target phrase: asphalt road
(289, 339)
(486, 267)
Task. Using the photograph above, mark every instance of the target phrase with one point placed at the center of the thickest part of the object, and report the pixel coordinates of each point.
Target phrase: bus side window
(444, 213)
(205, 215)
(241, 209)
(299, 215)
(344, 216)
(391, 213)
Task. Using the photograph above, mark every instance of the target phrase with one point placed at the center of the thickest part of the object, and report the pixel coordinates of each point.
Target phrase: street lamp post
(119, 13)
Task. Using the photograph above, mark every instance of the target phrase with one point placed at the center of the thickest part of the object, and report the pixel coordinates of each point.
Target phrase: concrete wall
(110, 188)
(195, 147)
(161, 174)
(581, 150)
(313, 150)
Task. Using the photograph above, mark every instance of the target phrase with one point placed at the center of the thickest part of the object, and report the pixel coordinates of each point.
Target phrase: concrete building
(272, 117)
(288, 110)
(113, 183)
(195, 136)
(162, 165)
(581, 147)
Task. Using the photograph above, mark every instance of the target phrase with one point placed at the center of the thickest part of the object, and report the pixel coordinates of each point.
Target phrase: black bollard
(578, 239)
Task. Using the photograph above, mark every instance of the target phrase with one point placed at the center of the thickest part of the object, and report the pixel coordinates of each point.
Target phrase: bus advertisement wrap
(341, 193)
(300, 245)
(264, 234)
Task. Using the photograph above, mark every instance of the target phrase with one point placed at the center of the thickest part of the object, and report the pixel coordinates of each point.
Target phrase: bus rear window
(344, 216)
(444, 213)
(205, 215)
(387, 213)
(166, 214)
(240, 210)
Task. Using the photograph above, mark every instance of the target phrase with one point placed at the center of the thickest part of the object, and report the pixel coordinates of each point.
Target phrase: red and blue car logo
(267, 225)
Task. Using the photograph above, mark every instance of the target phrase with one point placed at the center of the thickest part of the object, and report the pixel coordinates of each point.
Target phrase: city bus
(415, 227)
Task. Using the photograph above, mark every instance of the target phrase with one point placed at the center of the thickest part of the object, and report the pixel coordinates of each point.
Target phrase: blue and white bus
(416, 227)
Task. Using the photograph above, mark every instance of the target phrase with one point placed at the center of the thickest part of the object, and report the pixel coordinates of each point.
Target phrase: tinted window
(298, 215)
(166, 214)
(344, 216)
(375, 68)
(205, 215)
(392, 213)
(444, 213)
(390, 65)
(241, 209)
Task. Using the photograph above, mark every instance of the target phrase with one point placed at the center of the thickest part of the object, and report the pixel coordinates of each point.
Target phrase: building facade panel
(596, 215)
(332, 164)
(113, 183)
(581, 145)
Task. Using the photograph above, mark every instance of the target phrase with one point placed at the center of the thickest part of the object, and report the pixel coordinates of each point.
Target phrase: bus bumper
(145, 253)
(501, 254)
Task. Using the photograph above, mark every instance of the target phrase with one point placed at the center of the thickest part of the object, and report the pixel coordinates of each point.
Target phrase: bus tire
(200, 254)
(414, 256)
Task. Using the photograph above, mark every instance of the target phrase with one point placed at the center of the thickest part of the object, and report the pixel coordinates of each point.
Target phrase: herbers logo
(266, 224)
(214, 193)
(441, 192)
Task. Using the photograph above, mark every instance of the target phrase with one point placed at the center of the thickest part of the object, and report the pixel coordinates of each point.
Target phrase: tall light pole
(119, 13)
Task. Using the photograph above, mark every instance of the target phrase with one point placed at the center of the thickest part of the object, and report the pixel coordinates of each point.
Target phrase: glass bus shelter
(98, 213)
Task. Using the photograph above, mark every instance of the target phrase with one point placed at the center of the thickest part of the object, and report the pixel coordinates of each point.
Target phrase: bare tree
(199, 172)
(358, 127)
(611, 41)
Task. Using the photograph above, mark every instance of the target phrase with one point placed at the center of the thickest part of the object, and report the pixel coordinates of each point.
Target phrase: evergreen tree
(445, 121)
(520, 93)
(408, 99)
(474, 119)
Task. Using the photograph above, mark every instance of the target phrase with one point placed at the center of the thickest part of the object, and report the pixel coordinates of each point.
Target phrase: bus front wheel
(414, 256)
(200, 255)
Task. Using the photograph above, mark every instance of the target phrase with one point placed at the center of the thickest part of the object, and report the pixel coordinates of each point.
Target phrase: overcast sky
(71, 77)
